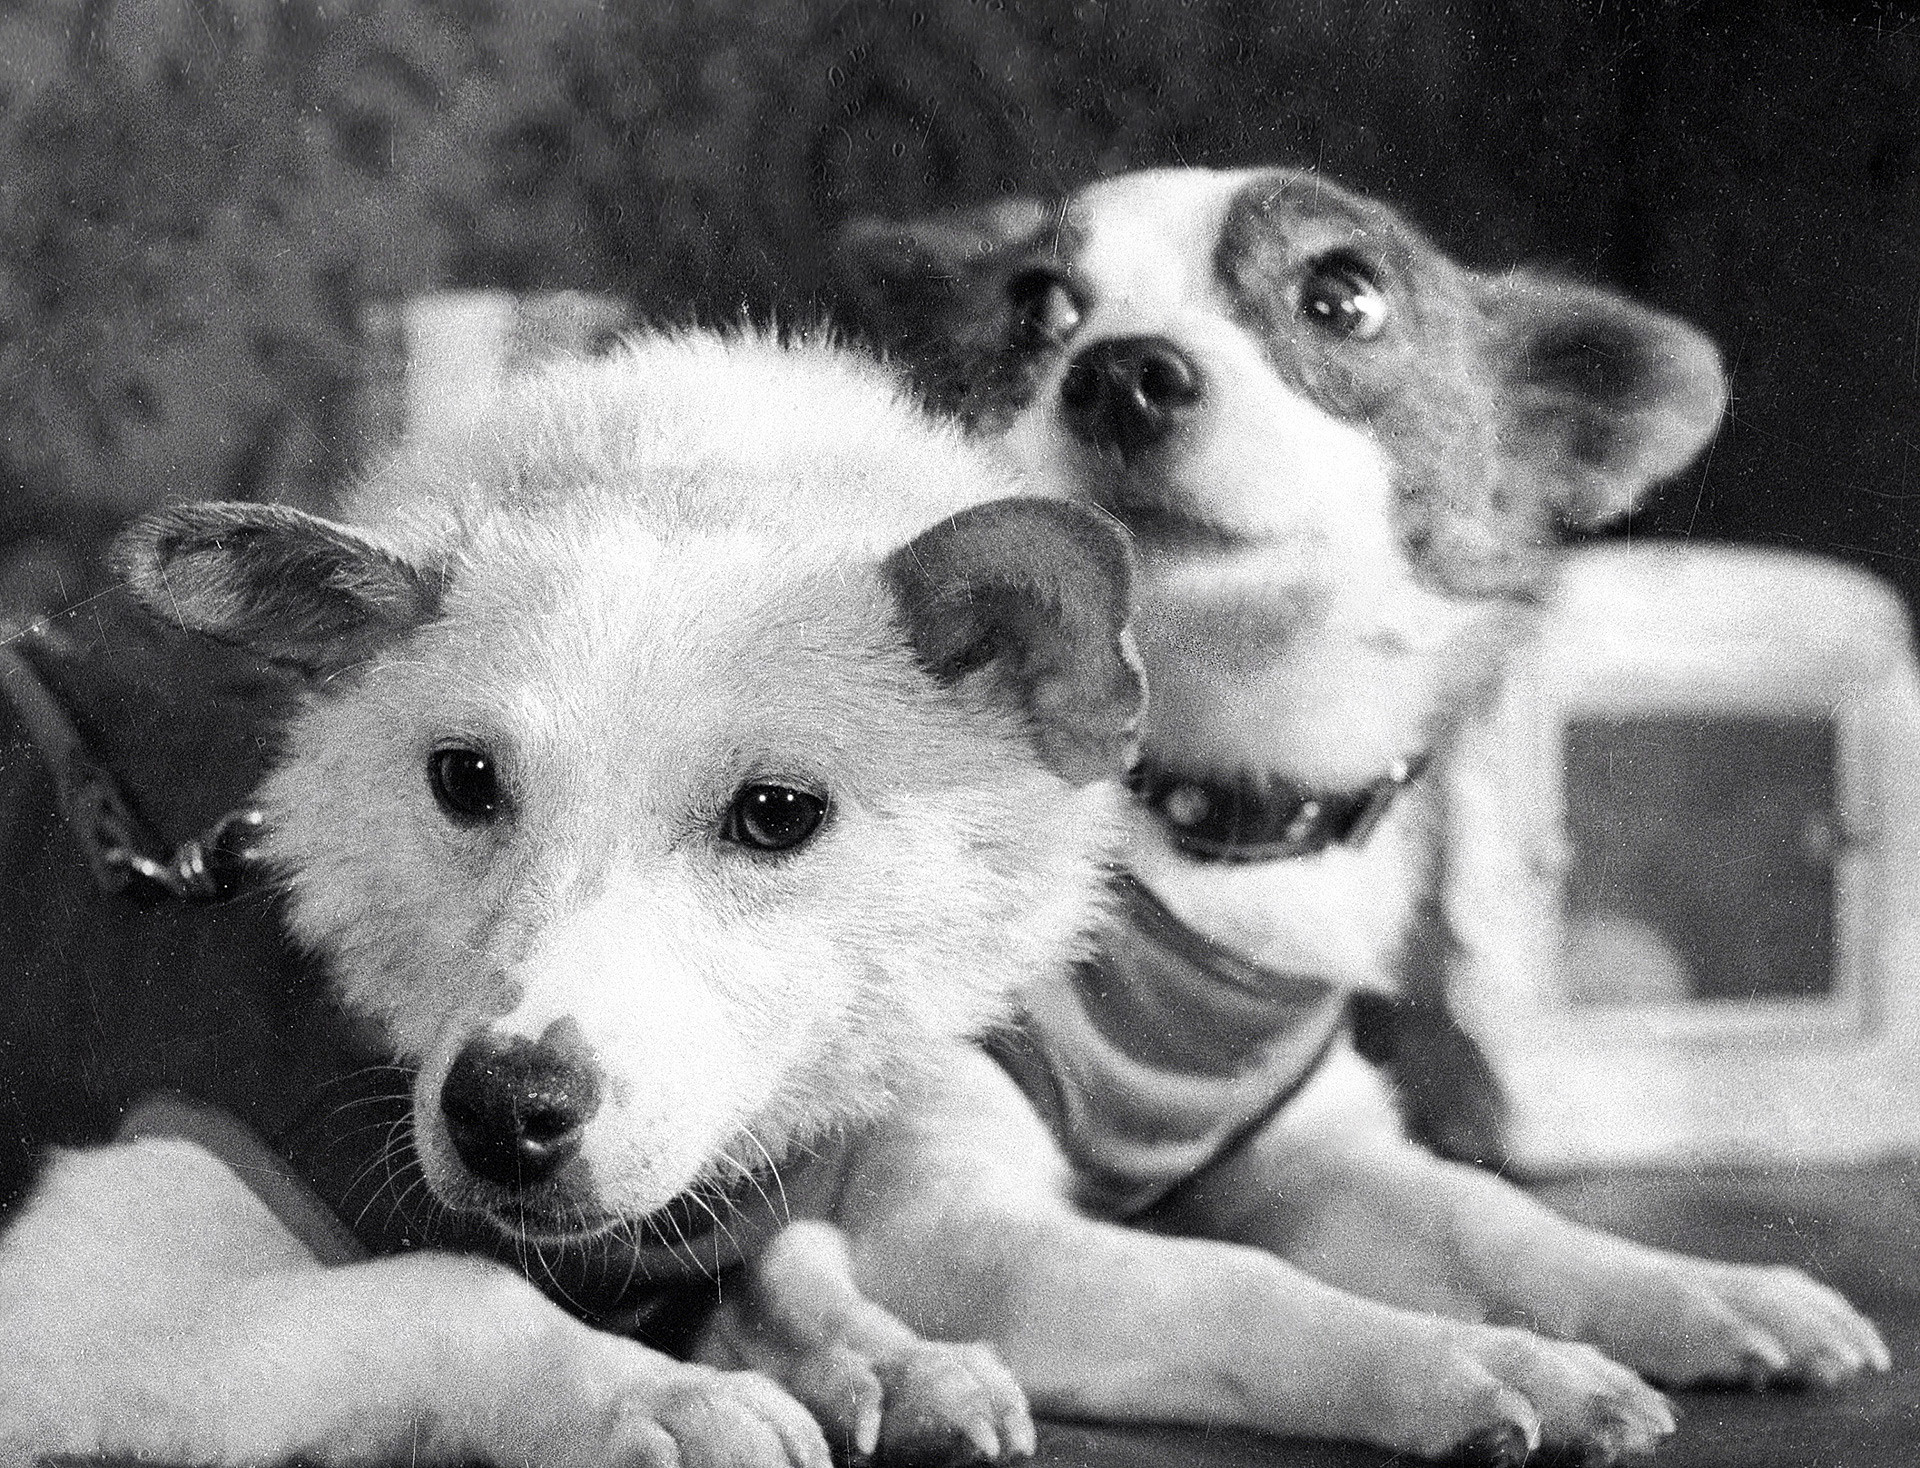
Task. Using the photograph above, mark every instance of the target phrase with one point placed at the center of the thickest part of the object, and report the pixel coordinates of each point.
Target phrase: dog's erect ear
(911, 278)
(1029, 600)
(1603, 397)
(283, 584)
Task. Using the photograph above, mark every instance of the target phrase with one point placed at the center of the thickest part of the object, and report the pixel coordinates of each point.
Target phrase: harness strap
(125, 855)
(1164, 1053)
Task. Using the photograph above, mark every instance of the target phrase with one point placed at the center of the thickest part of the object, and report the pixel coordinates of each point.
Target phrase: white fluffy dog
(693, 754)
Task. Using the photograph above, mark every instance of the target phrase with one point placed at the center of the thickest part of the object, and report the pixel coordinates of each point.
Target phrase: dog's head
(696, 747)
(1343, 453)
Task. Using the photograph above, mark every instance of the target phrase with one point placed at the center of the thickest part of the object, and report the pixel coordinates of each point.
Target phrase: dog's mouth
(1170, 525)
(551, 1222)
(712, 1205)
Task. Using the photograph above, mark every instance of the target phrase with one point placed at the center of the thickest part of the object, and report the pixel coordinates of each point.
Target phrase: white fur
(663, 587)
(1338, 915)
(661, 581)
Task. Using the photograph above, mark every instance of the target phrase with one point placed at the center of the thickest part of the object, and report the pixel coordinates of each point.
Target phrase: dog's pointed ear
(913, 280)
(287, 586)
(1028, 601)
(1603, 397)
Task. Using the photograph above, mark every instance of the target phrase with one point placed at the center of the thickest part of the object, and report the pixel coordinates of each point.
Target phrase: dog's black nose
(515, 1107)
(1127, 393)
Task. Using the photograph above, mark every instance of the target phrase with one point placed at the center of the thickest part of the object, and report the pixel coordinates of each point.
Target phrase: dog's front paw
(701, 1417)
(918, 1402)
(1690, 1322)
(1495, 1395)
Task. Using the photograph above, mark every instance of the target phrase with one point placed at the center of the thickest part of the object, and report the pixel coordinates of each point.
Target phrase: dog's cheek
(909, 930)
(393, 915)
(810, 1054)
(983, 883)
(1470, 525)
(770, 1024)
(1268, 462)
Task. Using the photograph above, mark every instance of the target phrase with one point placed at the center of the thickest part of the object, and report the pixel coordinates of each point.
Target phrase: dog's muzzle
(1126, 394)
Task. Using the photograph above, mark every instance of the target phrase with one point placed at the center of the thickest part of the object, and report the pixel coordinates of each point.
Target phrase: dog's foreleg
(958, 1223)
(1368, 1211)
(873, 1382)
(152, 1307)
(1310, 1187)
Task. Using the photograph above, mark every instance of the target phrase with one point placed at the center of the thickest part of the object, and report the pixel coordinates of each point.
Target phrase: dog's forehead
(1191, 234)
(618, 581)
(621, 618)
(1283, 216)
(1151, 235)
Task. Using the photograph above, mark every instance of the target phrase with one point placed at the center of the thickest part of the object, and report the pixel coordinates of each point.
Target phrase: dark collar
(126, 857)
(1264, 817)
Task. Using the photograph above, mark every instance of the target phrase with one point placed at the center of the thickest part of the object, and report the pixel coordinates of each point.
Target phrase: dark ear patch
(281, 583)
(933, 290)
(891, 264)
(1603, 398)
(1029, 599)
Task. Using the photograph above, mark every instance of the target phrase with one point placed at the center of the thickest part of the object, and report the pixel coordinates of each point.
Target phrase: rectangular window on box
(1686, 865)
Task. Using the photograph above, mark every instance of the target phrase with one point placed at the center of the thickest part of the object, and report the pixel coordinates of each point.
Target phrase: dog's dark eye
(466, 782)
(1342, 296)
(1044, 310)
(773, 817)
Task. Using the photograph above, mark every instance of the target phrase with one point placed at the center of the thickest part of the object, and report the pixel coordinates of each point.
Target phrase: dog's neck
(1254, 816)
(1324, 681)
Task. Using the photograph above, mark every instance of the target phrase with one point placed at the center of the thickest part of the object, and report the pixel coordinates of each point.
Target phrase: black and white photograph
(1102, 733)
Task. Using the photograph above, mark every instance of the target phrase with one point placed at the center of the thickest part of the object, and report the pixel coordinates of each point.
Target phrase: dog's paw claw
(1619, 1439)
(1762, 1359)
(1506, 1446)
(1690, 1323)
(927, 1402)
(704, 1418)
(950, 1402)
(1826, 1369)
(1525, 1394)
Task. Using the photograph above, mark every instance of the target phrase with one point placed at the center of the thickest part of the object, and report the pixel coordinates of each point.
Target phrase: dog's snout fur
(516, 1108)
(1125, 395)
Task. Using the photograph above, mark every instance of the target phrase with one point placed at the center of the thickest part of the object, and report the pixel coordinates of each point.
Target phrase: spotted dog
(1346, 459)
(687, 756)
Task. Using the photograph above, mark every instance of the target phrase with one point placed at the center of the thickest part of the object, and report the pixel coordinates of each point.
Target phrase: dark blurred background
(200, 198)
